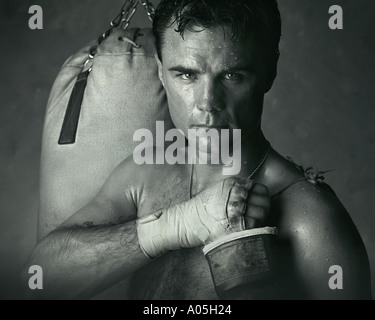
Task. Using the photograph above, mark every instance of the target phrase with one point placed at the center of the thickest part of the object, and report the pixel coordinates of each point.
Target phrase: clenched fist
(228, 206)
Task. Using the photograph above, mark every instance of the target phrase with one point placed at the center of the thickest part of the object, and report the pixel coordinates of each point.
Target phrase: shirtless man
(140, 237)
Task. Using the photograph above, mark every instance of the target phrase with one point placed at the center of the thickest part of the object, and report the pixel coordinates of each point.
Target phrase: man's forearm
(79, 262)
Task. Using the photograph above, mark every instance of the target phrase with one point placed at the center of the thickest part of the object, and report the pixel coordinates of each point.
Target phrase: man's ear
(160, 69)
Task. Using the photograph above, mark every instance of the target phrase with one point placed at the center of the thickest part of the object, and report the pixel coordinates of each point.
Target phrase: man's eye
(187, 76)
(233, 76)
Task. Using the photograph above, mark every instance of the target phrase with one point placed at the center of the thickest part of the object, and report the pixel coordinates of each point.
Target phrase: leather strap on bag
(71, 119)
(70, 124)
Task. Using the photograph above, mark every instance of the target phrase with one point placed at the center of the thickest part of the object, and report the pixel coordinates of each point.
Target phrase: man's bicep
(113, 204)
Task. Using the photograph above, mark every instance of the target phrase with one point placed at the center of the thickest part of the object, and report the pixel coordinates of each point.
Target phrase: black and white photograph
(187, 150)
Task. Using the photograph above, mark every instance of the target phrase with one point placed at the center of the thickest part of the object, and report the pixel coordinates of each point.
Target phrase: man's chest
(162, 192)
(179, 274)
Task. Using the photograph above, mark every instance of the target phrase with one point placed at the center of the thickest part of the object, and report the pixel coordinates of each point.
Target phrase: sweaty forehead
(198, 36)
(209, 43)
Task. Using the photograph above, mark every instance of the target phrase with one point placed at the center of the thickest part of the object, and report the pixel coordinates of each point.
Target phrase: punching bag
(101, 96)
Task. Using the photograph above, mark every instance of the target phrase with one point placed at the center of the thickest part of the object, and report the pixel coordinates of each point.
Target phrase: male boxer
(143, 234)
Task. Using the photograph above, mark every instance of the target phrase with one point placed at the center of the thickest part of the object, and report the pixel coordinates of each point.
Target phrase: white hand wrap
(199, 221)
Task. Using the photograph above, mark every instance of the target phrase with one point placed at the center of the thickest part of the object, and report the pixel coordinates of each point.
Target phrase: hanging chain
(150, 10)
(132, 8)
(127, 11)
(117, 20)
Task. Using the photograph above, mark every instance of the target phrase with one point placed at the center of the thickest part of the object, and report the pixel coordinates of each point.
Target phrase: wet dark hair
(242, 16)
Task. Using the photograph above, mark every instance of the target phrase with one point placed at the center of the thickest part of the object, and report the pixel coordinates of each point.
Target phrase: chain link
(117, 20)
(150, 10)
(132, 8)
(128, 13)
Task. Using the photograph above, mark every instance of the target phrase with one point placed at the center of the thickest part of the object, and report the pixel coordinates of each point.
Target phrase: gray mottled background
(321, 110)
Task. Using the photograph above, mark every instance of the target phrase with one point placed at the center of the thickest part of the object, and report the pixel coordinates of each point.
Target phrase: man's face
(212, 81)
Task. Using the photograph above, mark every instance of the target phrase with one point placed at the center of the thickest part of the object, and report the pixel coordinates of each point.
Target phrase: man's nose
(210, 97)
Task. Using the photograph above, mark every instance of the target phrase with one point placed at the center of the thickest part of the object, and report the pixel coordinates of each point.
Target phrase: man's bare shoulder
(301, 195)
(316, 232)
(151, 185)
(311, 207)
(147, 168)
(301, 198)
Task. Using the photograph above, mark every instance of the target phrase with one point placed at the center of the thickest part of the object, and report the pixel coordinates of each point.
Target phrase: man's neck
(253, 151)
